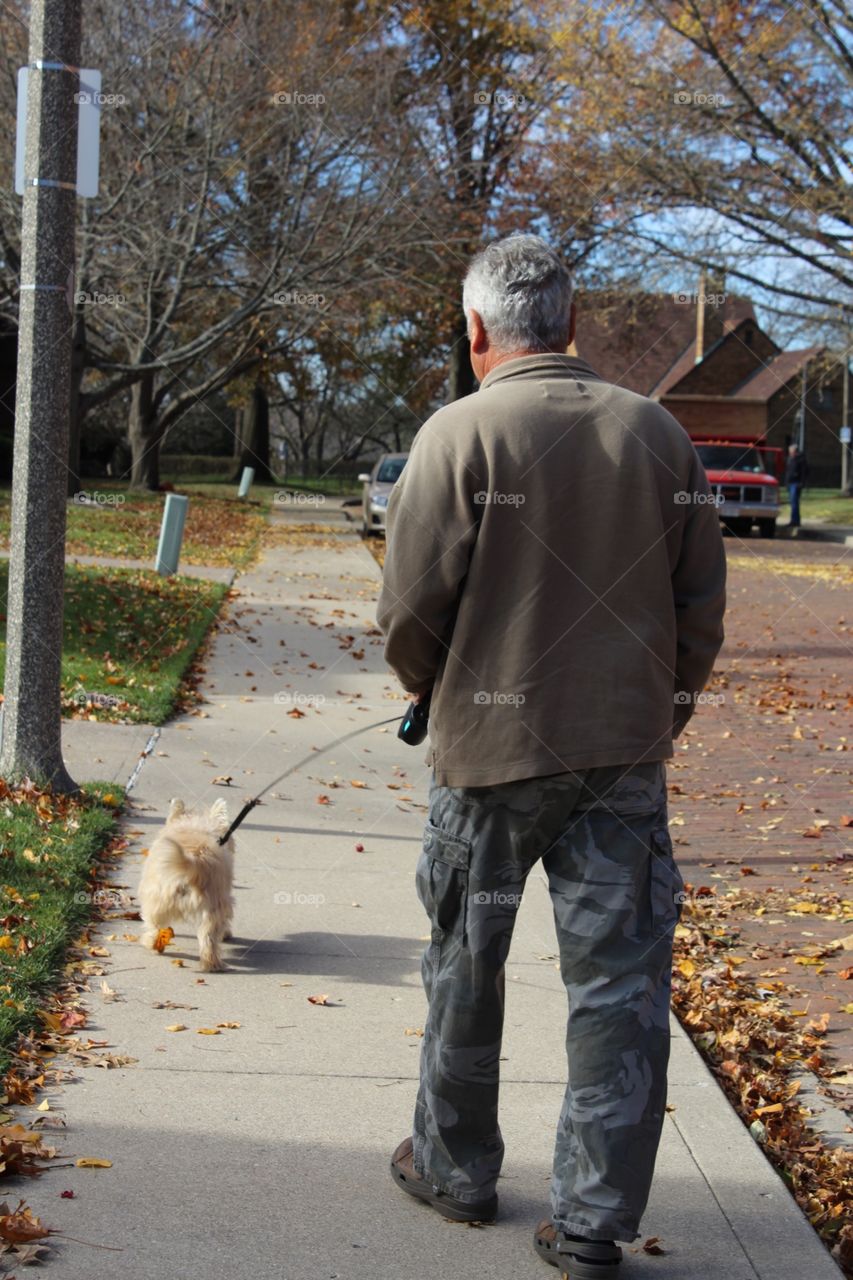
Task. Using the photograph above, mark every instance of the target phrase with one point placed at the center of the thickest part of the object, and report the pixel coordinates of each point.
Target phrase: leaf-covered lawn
(129, 637)
(220, 530)
(832, 573)
(821, 504)
(48, 848)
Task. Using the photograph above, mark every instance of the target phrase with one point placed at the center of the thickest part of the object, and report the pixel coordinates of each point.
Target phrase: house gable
(736, 357)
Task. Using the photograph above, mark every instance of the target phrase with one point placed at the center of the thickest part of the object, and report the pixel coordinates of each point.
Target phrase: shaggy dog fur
(188, 877)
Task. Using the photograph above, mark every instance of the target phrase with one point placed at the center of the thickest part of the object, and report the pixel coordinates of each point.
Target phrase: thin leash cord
(337, 742)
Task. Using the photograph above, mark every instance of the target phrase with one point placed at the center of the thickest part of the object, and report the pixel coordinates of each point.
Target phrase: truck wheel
(767, 528)
(738, 527)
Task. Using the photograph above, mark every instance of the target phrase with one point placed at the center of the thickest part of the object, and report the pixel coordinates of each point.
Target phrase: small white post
(246, 482)
(171, 534)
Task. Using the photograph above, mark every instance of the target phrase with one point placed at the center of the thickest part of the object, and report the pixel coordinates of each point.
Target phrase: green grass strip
(129, 637)
(48, 849)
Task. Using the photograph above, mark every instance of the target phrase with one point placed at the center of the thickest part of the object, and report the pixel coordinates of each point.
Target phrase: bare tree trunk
(259, 443)
(240, 416)
(461, 379)
(254, 437)
(239, 433)
(143, 436)
(320, 451)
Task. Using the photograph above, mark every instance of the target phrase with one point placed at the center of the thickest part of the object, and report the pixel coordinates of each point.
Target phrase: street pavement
(822, 531)
(262, 1151)
(760, 786)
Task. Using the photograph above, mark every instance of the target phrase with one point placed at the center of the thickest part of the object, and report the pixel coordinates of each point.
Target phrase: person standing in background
(796, 473)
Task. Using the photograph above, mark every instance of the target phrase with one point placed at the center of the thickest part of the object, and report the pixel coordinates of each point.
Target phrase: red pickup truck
(744, 478)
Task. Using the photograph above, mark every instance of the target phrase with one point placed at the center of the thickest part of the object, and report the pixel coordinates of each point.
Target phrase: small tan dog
(188, 876)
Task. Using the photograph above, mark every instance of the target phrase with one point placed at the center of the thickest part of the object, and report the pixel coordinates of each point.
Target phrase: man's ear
(477, 333)
(573, 324)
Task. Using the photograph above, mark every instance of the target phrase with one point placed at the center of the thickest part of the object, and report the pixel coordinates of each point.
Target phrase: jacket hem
(543, 766)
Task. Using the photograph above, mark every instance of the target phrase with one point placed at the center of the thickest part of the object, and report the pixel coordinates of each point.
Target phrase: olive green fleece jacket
(554, 574)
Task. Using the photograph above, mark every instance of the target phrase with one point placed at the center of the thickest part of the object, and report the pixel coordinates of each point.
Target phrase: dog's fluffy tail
(170, 856)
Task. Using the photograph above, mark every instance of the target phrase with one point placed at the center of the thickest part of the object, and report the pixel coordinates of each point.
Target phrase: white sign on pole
(88, 130)
(844, 435)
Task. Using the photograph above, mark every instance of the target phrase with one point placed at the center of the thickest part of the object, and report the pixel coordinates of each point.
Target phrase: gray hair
(522, 292)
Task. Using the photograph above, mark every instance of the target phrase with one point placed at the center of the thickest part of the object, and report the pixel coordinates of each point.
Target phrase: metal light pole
(31, 743)
(846, 482)
(801, 441)
(845, 428)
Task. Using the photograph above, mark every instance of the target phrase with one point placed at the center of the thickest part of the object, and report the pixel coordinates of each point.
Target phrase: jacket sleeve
(699, 593)
(430, 533)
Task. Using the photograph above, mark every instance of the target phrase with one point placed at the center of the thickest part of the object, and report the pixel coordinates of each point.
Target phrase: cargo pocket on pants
(442, 880)
(666, 884)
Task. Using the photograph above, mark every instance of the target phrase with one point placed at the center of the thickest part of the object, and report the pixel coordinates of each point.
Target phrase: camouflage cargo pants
(602, 837)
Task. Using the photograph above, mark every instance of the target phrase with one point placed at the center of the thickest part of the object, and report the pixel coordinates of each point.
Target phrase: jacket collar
(547, 364)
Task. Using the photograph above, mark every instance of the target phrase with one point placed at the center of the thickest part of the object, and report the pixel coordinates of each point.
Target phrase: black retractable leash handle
(415, 723)
(413, 729)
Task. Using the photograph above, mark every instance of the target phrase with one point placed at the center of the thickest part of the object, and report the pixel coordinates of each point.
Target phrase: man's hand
(417, 697)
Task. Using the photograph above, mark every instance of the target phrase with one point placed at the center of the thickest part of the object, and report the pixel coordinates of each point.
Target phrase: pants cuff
(614, 1232)
(465, 1196)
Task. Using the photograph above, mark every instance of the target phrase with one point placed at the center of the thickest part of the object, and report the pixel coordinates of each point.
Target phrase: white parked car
(378, 484)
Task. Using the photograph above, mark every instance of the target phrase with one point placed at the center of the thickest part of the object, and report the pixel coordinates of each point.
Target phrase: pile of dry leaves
(756, 1049)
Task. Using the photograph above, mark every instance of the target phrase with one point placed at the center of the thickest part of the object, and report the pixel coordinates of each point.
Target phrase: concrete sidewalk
(213, 573)
(262, 1151)
(820, 531)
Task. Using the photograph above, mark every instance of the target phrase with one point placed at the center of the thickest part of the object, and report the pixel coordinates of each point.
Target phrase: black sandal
(578, 1258)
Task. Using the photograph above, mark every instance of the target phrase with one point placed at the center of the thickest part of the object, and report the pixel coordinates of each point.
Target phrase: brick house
(707, 360)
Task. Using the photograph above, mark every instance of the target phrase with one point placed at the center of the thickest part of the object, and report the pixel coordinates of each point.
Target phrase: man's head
(517, 299)
(793, 450)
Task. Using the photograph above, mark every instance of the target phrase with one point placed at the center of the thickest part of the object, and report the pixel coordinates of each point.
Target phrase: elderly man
(554, 583)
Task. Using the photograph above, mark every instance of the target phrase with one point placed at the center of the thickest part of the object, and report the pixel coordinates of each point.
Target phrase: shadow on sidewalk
(370, 958)
(260, 1202)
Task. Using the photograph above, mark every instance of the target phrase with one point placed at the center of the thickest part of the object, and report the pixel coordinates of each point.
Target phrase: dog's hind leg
(228, 928)
(208, 946)
(154, 919)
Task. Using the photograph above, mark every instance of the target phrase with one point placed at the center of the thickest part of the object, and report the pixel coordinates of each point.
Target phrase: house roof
(685, 362)
(772, 377)
(647, 343)
(736, 310)
(640, 340)
(632, 340)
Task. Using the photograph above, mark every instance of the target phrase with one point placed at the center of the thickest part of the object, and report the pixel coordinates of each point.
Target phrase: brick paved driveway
(761, 781)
